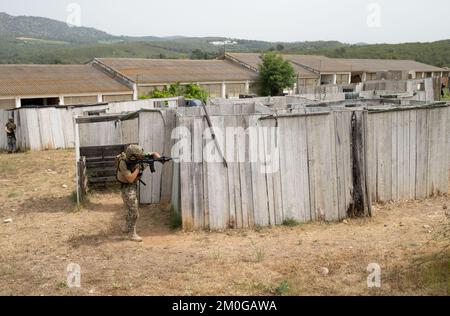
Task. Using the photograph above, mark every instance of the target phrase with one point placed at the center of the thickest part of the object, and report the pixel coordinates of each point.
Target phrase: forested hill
(40, 40)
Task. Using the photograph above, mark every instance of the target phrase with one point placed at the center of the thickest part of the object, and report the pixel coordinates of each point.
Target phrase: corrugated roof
(320, 63)
(326, 64)
(35, 80)
(152, 71)
(374, 65)
(253, 60)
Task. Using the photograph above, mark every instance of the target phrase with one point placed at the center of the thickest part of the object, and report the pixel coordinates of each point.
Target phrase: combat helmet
(135, 151)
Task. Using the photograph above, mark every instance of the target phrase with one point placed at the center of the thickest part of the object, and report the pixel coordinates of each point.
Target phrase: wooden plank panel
(186, 194)
(197, 173)
(167, 172)
(259, 181)
(290, 205)
(412, 154)
(332, 209)
(245, 177)
(384, 157)
(230, 153)
(343, 161)
(218, 199)
(302, 169)
(311, 167)
(371, 154)
(324, 175)
(34, 134)
(421, 178)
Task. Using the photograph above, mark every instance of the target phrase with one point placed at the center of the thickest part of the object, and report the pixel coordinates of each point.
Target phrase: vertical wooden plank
(384, 157)
(146, 141)
(196, 177)
(239, 151)
(311, 167)
(272, 161)
(333, 206)
(218, 199)
(167, 172)
(33, 129)
(259, 181)
(412, 153)
(186, 195)
(395, 159)
(230, 153)
(276, 176)
(245, 177)
(343, 161)
(287, 165)
(323, 182)
(371, 153)
(421, 178)
(433, 160)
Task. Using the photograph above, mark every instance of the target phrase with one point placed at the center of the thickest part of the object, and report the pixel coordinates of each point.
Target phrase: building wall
(80, 100)
(144, 91)
(7, 104)
(117, 98)
(214, 90)
(255, 88)
(307, 82)
(235, 89)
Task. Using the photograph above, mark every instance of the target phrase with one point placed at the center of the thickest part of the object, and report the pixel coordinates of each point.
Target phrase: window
(371, 76)
(342, 78)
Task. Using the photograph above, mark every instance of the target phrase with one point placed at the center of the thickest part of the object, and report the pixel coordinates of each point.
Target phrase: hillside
(48, 29)
(435, 53)
(41, 40)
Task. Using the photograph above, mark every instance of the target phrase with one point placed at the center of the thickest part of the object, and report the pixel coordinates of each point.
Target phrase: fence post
(82, 179)
(361, 196)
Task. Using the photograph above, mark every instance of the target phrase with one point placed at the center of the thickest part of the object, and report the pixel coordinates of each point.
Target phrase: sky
(349, 21)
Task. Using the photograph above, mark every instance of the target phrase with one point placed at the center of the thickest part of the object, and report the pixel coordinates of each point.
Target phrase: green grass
(13, 195)
(37, 40)
(446, 96)
(260, 254)
(430, 276)
(290, 222)
(175, 221)
(283, 288)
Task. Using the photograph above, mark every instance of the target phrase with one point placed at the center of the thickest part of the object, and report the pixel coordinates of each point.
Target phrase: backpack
(117, 161)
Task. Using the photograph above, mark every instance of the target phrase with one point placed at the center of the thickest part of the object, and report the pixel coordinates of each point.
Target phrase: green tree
(280, 47)
(190, 91)
(193, 91)
(276, 74)
(198, 54)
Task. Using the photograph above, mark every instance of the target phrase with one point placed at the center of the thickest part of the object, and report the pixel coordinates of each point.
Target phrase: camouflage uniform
(129, 191)
(11, 136)
(130, 200)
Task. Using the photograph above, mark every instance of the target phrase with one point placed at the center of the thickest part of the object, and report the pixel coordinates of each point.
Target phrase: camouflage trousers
(130, 200)
(11, 144)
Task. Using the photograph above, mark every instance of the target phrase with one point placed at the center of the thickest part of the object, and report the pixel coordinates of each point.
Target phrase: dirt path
(48, 233)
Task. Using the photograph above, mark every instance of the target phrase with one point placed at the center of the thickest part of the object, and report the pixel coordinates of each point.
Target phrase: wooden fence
(155, 134)
(408, 153)
(314, 180)
(53, 127)
(152, 129)
(403, 154)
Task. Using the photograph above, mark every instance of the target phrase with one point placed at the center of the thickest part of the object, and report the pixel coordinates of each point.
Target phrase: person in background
(10, 130)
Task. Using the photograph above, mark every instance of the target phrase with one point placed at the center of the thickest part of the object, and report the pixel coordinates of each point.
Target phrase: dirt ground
(48, 232)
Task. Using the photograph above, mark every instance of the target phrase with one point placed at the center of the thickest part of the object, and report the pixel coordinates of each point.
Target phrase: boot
(125, 229)
(134, 236)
